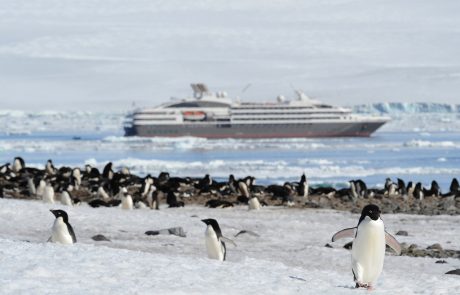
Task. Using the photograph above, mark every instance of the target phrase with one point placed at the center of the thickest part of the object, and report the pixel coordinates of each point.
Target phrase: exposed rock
(453, 272)
(100, 238)
(402, 233)
(441, 261)
(177, 231)
(435, 247)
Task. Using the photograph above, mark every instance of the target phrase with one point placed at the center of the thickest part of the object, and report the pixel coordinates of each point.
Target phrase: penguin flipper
(72, 233)
(227, 240)
(393, 243)
(344, 233)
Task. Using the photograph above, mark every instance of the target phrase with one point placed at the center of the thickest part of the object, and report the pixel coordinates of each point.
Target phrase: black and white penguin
(62, 232)
(153, 199)
(254, 203)
(215, 241)
(49, 168)
(126, 202)
(402, 188)
(48, 193)
(107, 173)
(146, 184)
(303, 187)
(18, 164)
(368, 250)
(454, 186)
(66, 199)
(76, 174)
(172, 201)
(418, 191)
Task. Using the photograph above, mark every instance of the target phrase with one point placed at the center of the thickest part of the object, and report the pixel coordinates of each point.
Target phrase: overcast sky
(107, 55)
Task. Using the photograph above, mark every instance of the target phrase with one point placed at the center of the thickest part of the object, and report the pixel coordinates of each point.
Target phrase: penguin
(243, 187)
(76, 173)
(107, 173)
(49, 168)
(40, 188)
(153, 198)
(215, 241)
(402, 188)
(125, 171)
(31, 186)
(62, 232)
(303, 187)
(146, 184)
(48, 194)
(102, 193)
(254, 204)
(126, 202)
(418, 191)
(18, 164)
(454, 186)
(410, 189)
(232, 184)
(65, 198)
(368, 249)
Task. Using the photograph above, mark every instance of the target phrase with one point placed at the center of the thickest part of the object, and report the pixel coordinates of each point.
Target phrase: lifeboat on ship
(194, 115)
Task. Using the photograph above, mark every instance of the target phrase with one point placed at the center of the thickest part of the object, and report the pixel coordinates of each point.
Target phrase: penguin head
(373, 211)
(214, 224)
(60, 213)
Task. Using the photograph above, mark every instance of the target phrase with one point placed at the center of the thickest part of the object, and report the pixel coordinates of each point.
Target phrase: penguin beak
(205, 221)
(53, 211)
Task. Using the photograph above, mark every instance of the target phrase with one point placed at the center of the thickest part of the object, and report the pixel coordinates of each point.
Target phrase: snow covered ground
(289, 257)
(107, 54)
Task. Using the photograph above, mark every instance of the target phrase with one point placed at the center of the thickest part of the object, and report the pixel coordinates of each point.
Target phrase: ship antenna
(199, 89)
(246, 88)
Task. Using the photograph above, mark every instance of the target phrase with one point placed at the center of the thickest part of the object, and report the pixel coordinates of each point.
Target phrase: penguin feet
(361, 285)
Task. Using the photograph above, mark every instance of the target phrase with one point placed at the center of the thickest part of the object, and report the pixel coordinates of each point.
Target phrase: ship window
(199, 104)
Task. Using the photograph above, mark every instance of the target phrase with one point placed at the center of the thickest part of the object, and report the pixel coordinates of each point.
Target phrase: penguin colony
(120, 188)
(72, 185)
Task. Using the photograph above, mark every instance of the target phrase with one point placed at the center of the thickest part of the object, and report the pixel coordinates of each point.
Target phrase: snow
(107, 54)
(289, 257)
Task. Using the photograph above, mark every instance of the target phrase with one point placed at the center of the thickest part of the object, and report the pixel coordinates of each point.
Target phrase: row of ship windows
(281, 108)
(293, 113)
(283, 119)
(155, 119)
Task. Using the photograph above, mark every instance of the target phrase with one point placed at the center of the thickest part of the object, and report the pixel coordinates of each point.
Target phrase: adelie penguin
(215, 241)
(62, 232)
(368, 250)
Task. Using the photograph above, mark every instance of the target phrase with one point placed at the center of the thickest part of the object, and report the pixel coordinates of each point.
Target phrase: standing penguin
(65, 198)
(254, 204)
(62, 232)
(48, 194)
(214, 240)
(368, 250)
(18, 164)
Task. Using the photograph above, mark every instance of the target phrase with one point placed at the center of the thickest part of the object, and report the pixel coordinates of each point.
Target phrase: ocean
(412, 156)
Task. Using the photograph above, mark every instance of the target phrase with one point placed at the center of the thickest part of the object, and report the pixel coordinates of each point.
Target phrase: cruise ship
(214, 115)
